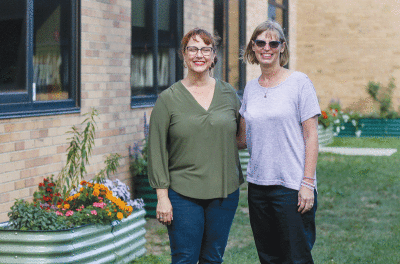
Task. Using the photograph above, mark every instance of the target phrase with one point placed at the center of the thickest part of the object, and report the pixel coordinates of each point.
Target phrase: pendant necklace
(273, 75)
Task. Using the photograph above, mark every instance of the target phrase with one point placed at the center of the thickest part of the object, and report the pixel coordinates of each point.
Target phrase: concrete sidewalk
(358, 151)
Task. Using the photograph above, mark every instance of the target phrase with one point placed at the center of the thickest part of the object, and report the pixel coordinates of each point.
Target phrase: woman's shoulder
(224, 86)
(299, 76)
(171, 91)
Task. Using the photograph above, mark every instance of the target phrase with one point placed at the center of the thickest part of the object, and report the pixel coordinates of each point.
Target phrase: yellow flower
(66, 206)
(76, 195)
(129, 209)
(96, 192)
(81, 189)
(109, 213)
(120, 215)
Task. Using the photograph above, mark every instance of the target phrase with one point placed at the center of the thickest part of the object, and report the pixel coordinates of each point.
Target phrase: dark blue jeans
(200, 228)
(282, 235)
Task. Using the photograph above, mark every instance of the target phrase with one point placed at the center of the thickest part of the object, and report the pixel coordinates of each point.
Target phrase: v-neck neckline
(194, 99)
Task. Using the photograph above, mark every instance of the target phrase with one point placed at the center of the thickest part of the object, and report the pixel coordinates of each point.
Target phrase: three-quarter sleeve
(159, 177)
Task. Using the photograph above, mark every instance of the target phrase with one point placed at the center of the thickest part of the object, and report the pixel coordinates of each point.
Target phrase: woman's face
(198, 56)
(265, 54)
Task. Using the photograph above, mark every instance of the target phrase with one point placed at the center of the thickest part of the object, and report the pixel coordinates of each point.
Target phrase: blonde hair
(273, 27)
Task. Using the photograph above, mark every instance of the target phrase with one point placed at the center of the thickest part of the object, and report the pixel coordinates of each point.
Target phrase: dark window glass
(52, 50)
(13, 46)
(38, 57)
(145, 45)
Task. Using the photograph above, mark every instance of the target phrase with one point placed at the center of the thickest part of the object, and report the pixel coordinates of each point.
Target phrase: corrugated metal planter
(325, 135)
(374, 128)
(120, 243)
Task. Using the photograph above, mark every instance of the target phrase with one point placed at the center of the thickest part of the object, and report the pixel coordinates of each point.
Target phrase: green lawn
(358, 217)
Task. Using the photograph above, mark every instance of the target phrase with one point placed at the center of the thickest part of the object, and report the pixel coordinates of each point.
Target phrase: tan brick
(9, 176)
(7, 187)
(23, 155)
(4, 216)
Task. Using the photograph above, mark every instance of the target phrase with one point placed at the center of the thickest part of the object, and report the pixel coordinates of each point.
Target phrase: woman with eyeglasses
(193, 156)
(280, 111)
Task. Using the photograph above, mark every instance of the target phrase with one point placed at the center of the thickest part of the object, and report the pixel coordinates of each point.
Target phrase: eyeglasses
(272, 44)
(206, 51)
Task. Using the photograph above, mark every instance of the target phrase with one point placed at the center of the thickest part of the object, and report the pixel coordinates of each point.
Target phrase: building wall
(256, 13)
(34, 148)
(341, 45)
(198, 13)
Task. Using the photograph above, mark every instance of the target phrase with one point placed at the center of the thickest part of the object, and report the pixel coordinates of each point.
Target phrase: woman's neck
(197, 79)
(270, 72)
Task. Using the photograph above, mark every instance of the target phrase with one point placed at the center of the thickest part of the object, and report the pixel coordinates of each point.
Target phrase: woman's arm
(241, 134)
(306, 195)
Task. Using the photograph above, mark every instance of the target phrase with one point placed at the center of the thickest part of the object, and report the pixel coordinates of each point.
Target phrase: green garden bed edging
(120, 243)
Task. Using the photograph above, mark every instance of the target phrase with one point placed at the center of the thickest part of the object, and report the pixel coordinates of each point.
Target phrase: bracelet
(309, 187)
(309, 178)
(307, 183)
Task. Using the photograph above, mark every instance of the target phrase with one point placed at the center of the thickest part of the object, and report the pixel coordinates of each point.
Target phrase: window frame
(149, 100)
(21, 104)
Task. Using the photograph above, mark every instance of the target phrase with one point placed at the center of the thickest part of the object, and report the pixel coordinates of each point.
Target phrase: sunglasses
(272, 44)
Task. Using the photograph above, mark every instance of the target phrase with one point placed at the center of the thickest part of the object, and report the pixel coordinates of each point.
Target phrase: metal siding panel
(89, 244)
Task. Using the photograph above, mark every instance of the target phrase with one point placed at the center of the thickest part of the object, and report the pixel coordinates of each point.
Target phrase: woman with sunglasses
(193, 156)
(280, 111)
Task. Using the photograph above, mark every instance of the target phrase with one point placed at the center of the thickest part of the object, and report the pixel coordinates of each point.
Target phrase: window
(38, 64)
(230, 25)
(278, 11)
(156, 34)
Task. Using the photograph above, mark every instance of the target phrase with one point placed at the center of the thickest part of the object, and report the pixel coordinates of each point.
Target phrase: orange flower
(66, 206)
(83, 182)
(324, 115)
(120, 215)
(96, 192)
(109, 213)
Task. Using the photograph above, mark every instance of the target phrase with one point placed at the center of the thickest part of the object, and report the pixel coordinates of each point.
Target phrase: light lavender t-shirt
(274, 132)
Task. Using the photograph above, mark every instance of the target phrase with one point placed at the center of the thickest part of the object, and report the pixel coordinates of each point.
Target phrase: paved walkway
(358, 151)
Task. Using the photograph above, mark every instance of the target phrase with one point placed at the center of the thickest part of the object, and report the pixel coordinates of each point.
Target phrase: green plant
(138, 154)
(29, 216)
(383, 95)
(325, 119)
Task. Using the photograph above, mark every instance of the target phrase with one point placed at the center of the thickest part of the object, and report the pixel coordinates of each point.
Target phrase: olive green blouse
(192, 150)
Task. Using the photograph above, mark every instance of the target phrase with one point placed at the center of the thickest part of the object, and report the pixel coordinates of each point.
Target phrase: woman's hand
(164, 207)
(306, 200)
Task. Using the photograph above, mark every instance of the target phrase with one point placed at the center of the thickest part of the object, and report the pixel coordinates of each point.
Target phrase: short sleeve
(157, 149)
(308, 105)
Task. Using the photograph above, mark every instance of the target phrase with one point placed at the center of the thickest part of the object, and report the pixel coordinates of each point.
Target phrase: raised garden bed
(373, 128)
(120, 243)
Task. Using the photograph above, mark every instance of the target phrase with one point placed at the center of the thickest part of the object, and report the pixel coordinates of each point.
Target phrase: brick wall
(343, 44)
(34, 148)
(198, 13)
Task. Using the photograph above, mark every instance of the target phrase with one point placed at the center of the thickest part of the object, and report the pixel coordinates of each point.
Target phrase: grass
(358, 216)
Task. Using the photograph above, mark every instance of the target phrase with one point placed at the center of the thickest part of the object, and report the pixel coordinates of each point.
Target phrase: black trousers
(282, 235)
